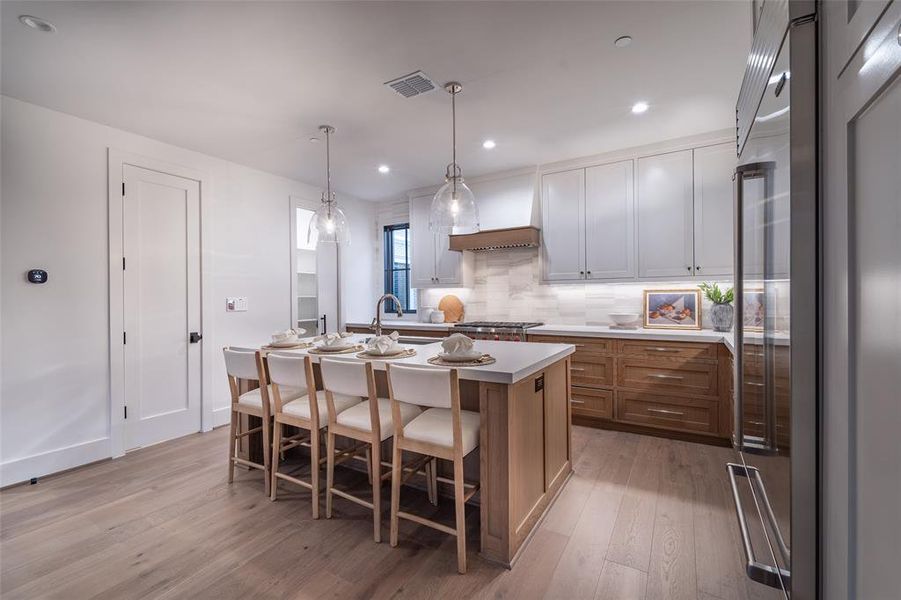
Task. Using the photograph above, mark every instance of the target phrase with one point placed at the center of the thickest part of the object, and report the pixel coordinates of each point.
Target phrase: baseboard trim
(53, 461)
(221, 416)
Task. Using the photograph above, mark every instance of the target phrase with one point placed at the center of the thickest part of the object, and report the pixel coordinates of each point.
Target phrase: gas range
(505, 331)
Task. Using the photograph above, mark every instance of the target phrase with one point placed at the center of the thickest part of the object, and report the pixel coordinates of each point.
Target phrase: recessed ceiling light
(639, 107)
(622, 41)
(488, 144)
(37, 23)
(384, 169)
(314, 140)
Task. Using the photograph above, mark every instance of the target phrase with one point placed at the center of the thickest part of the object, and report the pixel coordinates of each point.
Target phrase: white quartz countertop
(398, 324)
(514, 360)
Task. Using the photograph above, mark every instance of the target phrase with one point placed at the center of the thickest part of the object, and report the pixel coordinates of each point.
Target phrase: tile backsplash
(507, 287)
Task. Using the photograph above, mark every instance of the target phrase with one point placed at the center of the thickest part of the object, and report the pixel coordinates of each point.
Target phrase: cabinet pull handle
(753, 383)
(579, 345)
(576, 369)
(663, 411)
(697, 267)
(572, 401)
(662, 349)
(689, 269)
(662, 376)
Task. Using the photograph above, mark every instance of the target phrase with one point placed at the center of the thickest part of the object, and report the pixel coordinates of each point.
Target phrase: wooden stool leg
(232, 440)
(276, 454)
(395, 491)
(376, 479)
(461, 515)
(267, 451)
(329, 473)
(369, 464)
(433, 481)
(314, 471)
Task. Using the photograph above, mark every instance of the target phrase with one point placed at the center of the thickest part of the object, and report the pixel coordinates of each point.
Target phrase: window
(397, 268)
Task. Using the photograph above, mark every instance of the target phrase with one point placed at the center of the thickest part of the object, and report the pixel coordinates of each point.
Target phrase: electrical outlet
(237, 304)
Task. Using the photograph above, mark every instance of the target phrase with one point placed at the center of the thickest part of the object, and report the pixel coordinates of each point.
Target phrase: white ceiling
(250, 81)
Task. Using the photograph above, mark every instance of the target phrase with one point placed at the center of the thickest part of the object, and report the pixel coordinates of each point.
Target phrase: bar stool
(245, 364)
(369, 422)
(443, 430)
(308, 412)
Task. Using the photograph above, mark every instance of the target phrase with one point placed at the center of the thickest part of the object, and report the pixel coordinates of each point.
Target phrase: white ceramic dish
(471, 355)
(334, 347)
(285, 343)
(624, 318)
(390, 352)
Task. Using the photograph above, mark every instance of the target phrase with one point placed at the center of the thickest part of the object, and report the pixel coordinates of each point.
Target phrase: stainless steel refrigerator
(774, 474)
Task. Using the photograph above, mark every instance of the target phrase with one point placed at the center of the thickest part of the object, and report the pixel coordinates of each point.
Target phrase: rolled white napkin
(384, 343)
(333, 339)
(457, 343)
(288, 335)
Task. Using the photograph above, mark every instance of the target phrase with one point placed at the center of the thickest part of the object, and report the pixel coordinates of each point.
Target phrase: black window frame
(390, 270)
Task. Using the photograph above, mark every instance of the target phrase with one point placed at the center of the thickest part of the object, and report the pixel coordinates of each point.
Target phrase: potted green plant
(722, 311)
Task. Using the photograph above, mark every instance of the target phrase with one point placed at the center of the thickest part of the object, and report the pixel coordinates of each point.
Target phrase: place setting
(459, 351)
(335, 343)
(386, 347)
(288, 339)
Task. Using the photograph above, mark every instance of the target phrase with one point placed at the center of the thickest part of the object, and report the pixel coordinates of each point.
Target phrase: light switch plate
(236, 304)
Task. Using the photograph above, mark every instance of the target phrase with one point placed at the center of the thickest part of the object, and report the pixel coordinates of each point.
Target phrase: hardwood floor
(641, 517)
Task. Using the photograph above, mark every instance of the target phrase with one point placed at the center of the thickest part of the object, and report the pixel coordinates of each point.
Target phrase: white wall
(54, 393)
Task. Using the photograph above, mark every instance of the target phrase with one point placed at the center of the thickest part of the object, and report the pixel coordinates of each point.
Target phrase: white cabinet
(609, 221)
(665, 215)
(713, 223)
(562, 228)
(432, 264)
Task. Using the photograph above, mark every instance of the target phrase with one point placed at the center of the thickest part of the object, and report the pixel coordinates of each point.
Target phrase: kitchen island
(525, 455)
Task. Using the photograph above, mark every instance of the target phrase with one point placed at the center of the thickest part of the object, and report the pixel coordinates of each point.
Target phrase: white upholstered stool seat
(255, 399)
(300, 407)
(358, 416)
(436, 426)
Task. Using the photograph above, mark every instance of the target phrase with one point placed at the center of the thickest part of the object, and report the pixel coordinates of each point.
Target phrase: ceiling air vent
(412, 84)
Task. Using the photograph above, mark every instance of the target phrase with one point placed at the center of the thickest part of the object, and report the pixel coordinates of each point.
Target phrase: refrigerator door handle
(738, 439)
(770, 575)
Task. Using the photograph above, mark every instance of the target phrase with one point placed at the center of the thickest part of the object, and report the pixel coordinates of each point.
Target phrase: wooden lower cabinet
(678, 413)
(681, 389)
(432, 333)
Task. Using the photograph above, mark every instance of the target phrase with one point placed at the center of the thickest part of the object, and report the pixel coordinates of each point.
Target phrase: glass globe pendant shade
(328, 225)
(454, 209)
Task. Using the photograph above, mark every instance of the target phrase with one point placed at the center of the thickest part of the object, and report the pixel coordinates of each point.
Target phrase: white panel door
(562, 225)
(665, 216)
(327, 284)
(161, 247)
(609, 221)
(713, 226)
(422, 244)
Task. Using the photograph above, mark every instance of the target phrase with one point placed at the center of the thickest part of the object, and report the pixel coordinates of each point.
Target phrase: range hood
(508, 211)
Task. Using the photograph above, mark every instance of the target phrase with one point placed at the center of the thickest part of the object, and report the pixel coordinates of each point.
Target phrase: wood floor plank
(619, 582)
(163, 523)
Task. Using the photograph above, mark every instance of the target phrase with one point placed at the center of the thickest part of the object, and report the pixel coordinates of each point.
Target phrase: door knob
(194, 337)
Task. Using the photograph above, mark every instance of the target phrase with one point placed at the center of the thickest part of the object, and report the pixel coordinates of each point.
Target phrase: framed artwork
(672, 309)
(754, 311)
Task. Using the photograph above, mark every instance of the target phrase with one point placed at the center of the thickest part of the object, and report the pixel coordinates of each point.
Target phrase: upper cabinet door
(422, 244)
(447, 262)
(713, 169)
(609, 221)
(562, 230)
(665, 216)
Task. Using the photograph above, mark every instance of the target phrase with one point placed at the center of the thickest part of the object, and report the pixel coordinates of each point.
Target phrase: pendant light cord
(328, 171)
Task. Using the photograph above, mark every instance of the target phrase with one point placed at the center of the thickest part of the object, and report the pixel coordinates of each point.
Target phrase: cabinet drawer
(668, 412)
(592, 403)
(591, 370)
(584, 345)
(654, 349)
(689, 377)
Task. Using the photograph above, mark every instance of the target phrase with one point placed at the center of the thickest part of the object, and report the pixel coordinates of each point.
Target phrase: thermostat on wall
(37, 276)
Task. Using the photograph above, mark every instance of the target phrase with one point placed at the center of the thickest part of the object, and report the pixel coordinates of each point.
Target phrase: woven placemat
(356, 348)
(297, 346)
(486, 359)
(405, 354)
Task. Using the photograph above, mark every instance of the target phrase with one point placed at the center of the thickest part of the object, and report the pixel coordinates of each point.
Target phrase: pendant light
(454, 207)
(328, 223)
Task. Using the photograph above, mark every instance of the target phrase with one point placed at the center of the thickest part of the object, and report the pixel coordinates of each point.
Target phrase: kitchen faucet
(377, 321)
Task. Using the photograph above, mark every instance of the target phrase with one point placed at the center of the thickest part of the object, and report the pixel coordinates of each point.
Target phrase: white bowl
(624, 318)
